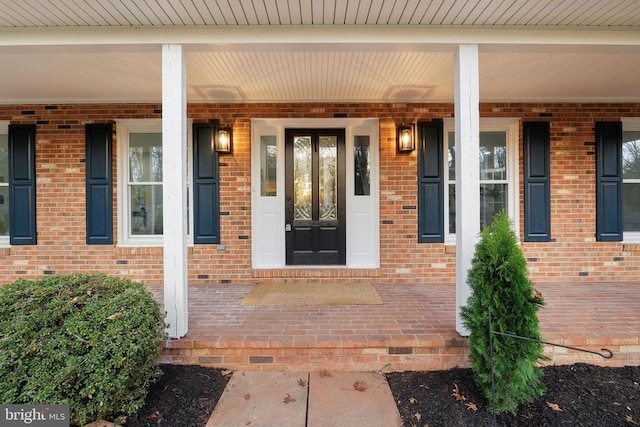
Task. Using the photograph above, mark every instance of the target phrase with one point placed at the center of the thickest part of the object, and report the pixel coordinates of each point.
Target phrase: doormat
(361, 293)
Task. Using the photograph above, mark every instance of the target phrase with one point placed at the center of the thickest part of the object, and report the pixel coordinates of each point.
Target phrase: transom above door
(315, 197)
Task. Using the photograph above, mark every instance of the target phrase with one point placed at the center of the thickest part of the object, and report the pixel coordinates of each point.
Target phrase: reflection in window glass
(328, 177)
(493, 176)
(631, 180)
(4, 185)
(362, 166)
(268, 165)
(302, 164)
(145, 183)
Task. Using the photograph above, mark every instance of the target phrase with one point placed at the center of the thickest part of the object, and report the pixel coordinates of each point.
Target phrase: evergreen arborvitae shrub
(90, 341)
(499, 283)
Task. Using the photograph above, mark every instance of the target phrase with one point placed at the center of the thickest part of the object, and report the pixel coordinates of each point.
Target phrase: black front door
(315, 196)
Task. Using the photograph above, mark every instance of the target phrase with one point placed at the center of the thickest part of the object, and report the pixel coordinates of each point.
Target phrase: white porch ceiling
(45, 56)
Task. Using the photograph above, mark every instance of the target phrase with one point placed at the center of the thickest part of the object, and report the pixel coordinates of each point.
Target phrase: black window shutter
(98, 178)
(537, 197)
(206, 186)
(430, 182)
(22, 185)
(609, 181)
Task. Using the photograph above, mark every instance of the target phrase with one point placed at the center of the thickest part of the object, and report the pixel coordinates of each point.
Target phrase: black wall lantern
(223, 141)
(405, 137)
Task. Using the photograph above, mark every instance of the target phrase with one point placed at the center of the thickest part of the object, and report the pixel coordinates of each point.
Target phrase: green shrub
(499, 282)
(90, 341)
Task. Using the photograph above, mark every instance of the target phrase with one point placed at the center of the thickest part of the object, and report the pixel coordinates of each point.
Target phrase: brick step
(384, 355)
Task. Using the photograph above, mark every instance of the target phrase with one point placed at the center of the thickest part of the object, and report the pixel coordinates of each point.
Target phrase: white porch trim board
(467, 131)
(174, 182)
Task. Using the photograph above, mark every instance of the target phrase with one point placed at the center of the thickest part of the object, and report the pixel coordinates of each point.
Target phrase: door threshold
(314, 267)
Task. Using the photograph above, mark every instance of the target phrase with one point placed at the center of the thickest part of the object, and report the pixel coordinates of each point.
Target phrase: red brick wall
(572, 256)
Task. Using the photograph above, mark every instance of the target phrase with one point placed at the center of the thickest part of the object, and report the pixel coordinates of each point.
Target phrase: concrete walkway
(317, 399)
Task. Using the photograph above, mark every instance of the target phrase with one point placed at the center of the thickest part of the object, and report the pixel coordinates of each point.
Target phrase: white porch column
(174, 186)
(467, 122)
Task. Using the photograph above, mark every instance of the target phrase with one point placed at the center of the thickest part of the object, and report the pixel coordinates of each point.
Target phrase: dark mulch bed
(185, 396)
(577, 395)
(585, 395)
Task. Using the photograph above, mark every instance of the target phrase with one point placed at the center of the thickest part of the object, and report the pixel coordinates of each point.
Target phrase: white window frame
(509, 125)
(4, 130)
(630, 124)
(124, 128)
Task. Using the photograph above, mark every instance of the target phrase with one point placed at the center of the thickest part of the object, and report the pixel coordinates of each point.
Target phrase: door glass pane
(493, 156)
(328, 177)
(146, 209)
(302, 174)
(268, 165)
(4, 185)
(493, 199)
(145, 157)
(362, 166)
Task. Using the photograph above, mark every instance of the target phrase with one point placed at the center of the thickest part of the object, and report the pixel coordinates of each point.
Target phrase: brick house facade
(572, 254)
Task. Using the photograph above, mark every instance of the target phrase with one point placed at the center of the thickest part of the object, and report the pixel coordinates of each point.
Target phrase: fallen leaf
(247, 396)
(227, 374)
(302, 382)
(75, 300)
(154, 415)
(360, 385)
(413, 400)
(417, 415)
(471, 406)
(325, 373)
(289, 399)
(554, 406)
(456, 393)
(629, 420)
(115, 316)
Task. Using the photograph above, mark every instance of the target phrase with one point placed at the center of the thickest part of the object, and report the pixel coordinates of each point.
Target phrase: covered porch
(414, 329)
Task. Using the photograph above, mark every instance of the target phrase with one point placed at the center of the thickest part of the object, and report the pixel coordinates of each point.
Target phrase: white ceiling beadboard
(69, 13)
(381, 50)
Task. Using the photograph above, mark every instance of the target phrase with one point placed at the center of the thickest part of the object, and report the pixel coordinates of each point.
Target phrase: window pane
(452, 208)
(268, 165)
(328, 178)
(631, 155)
(493, 199)
(493, 156)
(146, 209)
(145, 157)
(4, 210)
(302, 202)
(451, 156)
(631, 206)
(4, 185)
(362, 166)
(4, 159)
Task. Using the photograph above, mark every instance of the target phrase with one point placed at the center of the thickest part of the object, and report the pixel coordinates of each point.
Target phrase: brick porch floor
(413, 329)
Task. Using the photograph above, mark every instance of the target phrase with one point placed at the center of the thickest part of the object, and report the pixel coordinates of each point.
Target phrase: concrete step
(317, 399)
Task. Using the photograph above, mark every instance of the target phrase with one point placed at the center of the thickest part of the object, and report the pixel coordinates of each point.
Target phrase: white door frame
(268, 212)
